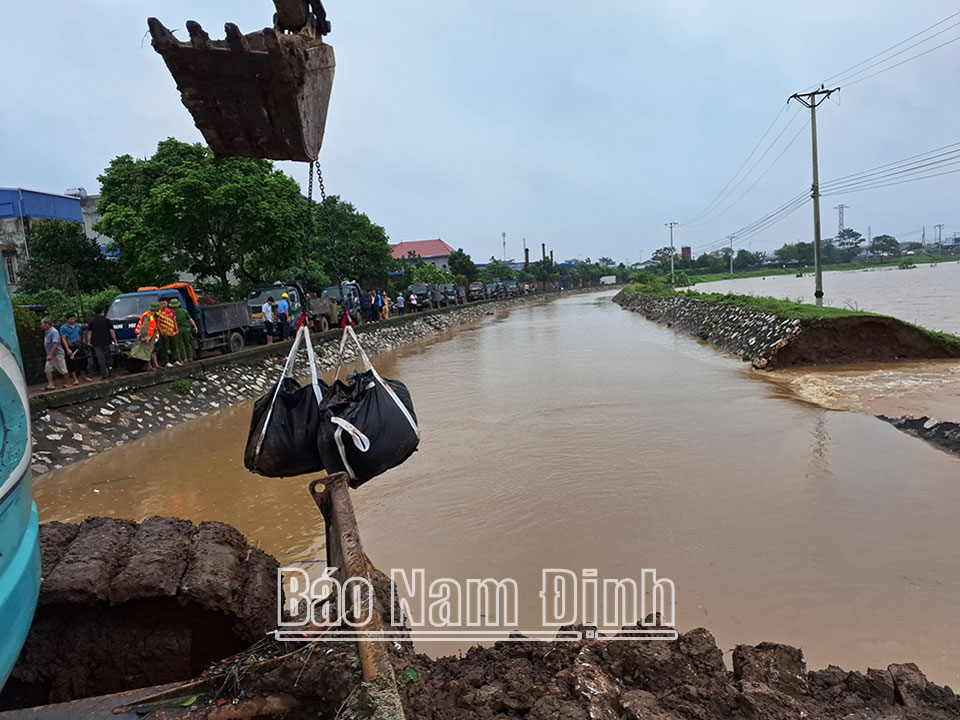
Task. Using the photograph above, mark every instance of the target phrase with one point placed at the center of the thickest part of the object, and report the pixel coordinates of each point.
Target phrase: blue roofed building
(20, 212)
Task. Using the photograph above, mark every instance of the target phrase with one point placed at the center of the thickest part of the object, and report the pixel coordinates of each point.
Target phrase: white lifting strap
(361, 441)
(302, 334)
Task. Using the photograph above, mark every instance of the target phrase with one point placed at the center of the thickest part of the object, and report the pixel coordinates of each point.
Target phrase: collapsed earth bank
(126, 605)
(770, 341)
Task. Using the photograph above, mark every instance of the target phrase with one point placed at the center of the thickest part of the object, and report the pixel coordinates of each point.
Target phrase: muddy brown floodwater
(576, 435)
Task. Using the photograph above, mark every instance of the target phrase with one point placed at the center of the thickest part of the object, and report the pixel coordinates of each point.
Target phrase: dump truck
(222, 326)
(322, 312)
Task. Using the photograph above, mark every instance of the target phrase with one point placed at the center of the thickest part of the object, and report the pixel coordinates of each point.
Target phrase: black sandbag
(365, 403)
(290, 443)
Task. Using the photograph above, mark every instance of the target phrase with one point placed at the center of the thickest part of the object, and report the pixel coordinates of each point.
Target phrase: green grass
(893, 262)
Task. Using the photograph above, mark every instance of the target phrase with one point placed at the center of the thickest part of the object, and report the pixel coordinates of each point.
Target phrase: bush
(181, 386)
(59, 304)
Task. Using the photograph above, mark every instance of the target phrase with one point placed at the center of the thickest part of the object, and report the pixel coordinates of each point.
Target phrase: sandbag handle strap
(360, 441)
(349, 333)
(287, 372)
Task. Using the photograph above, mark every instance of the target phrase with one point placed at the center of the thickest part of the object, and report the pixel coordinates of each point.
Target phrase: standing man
(54, 351)
(100, 336)
(413, 301)
(283, 316)
(70, 338)
(169, 332)
(399, 303)
(186, 328)
(267, 311)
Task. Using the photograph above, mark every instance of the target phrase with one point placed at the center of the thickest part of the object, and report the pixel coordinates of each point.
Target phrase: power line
(761, 176)
(844, 191)
(843, 73)
(891, 67)
(718, 198)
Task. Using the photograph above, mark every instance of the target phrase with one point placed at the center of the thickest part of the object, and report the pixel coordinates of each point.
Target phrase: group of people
(164, 335)
(68, 355)
(376, 305)
(276, 314)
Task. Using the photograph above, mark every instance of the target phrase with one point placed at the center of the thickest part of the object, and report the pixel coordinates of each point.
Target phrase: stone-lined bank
(78, 423)
(771, 341)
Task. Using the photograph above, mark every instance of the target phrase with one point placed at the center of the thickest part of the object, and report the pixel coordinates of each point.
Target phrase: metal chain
(329, 223)
(310, 204)
(323, 192)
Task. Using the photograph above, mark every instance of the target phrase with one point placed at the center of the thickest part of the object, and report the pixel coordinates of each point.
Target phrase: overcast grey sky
(583, 125)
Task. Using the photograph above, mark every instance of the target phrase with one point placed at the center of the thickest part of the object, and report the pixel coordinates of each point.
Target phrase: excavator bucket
(260, 95)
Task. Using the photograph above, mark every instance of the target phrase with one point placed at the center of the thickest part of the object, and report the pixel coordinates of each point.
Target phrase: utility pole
(730, 238)
(840, 208)
(939, 238)
(671, 225)
(812, 100)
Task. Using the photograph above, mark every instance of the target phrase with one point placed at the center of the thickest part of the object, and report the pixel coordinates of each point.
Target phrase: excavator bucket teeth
(259, 95)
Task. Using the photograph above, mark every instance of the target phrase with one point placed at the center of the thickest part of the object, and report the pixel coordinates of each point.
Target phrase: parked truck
(222, 326)
(322, 312)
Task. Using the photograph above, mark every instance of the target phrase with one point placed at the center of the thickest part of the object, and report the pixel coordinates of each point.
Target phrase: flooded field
(577, 435)
(926, 295)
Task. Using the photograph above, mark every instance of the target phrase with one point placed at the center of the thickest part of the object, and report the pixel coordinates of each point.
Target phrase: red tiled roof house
(436, 252)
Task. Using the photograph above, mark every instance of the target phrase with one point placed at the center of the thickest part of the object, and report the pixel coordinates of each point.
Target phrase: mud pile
(126, 605)
(684, 679)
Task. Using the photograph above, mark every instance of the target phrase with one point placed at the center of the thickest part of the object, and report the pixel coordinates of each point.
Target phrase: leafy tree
(62, 256)
(885, 245)
(786, 254)
(497, 269)
(461, 264)
(348, 245)
(605, 262)
(745, 259)
(712, 263)
(428, 273)
(661, 254)
(848, 238)
(183, 210)
(805, 252)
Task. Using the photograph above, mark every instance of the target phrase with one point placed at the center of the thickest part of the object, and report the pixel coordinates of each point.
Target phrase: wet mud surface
(126, 605)
(684, 679)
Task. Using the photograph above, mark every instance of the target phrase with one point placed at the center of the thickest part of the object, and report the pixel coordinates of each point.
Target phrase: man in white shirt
(268, 318)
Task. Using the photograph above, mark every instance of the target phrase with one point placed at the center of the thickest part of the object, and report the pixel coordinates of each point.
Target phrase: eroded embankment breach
(78, 423)
(769, 341)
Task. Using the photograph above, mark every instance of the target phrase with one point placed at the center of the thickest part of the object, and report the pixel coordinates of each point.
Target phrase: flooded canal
(577, 435)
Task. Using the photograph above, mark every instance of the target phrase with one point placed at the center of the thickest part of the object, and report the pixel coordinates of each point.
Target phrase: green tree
(848, 238)
(461, 264)
(745, 259)
(350, 246)
(787, 253)
(805, 252)
(428, 273)
(885, 245)
(60, 249)
(497, 269)
(183, 210)
(605, 262)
